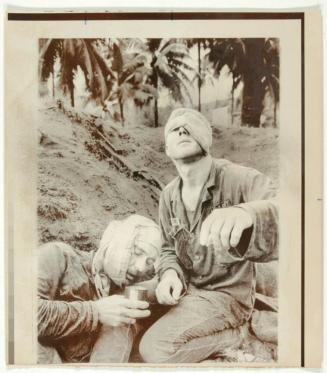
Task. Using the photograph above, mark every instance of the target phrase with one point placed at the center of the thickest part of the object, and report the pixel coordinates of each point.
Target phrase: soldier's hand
(116, 310)
(169, 288)
(223, 228)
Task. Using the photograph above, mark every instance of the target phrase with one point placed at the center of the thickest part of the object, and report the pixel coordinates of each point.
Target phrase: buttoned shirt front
(228, 185)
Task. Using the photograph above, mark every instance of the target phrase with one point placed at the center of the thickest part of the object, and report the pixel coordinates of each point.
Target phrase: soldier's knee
(150, 348)
(146, 349)
(154, 349)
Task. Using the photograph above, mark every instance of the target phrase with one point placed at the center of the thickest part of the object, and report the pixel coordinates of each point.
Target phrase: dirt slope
(78, 193)
(81, 190)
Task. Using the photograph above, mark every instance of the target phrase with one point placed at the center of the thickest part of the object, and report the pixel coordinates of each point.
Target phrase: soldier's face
(141, 264)
(181, 145)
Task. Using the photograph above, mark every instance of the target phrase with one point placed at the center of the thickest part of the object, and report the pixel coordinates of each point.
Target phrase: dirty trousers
(204, 323)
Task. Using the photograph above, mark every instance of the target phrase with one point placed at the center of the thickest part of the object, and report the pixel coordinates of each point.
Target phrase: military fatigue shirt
(67, 317)
(228, 185)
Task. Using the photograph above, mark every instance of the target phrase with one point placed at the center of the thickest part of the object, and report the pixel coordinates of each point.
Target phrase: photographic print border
(54, 16)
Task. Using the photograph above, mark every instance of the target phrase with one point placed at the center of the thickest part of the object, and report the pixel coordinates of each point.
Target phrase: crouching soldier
(82, 316)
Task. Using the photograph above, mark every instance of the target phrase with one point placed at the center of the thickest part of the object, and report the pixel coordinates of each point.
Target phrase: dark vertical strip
(303, 198)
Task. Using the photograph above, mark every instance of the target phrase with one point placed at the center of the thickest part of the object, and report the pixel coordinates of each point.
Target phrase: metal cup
(136, 293)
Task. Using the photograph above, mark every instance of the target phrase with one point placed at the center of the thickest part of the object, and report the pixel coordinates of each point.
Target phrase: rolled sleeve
(263, 245)
(58, 319)
(260, 203)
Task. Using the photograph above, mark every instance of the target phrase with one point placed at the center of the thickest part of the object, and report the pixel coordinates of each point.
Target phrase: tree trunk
(53, 82)
(275, 113)
(199, 71)
(156, 111)
(121, 108)
(253, 91)
(71, 93)
(232, 106)
(72, 98)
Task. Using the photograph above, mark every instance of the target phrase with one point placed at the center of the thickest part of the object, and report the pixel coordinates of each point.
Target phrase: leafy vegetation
(140, 70)
(253, 61)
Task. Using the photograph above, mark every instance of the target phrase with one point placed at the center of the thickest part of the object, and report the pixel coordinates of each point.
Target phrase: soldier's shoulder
(56, 249)
(171, 186)
(222, 163)
(231, 167)
(170, 189)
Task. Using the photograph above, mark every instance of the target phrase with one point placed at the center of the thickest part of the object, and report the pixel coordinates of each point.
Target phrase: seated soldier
(82, 314)
(217, 220)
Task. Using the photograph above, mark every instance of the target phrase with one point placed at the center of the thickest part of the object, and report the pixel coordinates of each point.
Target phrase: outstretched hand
(223, 228)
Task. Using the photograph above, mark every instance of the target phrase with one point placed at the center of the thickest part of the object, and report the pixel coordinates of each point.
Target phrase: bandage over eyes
(195, 123)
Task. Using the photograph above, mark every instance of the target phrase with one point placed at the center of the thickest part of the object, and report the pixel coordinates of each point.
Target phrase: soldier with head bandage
(216, 219)
(82, 313)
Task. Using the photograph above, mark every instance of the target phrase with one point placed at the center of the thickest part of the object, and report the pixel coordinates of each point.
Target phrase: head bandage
(110, 262)
(195, 123)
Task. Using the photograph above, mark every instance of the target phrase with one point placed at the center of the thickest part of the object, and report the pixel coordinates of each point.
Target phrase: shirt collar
(212, 175)
(209, 184)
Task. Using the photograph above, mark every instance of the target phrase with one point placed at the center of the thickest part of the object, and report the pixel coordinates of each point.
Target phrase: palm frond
(180, 72)
(184, 65)
(175, 48)
(183, 86)
(162, 64)
(117, 62)
(99, 84)
(163, 44)
(68, 65)
(49, 52)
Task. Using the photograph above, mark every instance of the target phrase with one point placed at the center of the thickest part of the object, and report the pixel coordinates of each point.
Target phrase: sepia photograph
(163, 189)
(158, 167)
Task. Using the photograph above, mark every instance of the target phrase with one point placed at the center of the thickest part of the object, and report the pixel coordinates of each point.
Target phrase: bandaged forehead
(195, 123)
(177, 123)
(117, 243)
(185, 117)
(149, 237)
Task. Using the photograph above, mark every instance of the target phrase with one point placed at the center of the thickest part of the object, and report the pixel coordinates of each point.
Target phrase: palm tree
(271, 71)
(204, 76)
(228, 52)
(169, 69)
(73, 53)
(253, 89)
(129, 69)
(50, 50)
(247, 62)
(200, 43)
